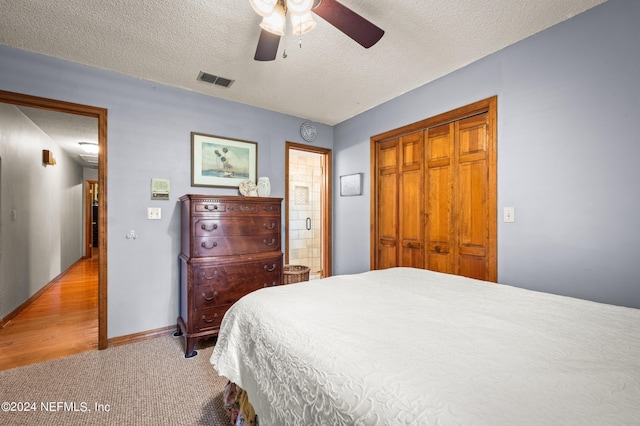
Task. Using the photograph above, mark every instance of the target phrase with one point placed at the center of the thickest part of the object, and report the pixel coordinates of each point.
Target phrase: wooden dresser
(230, 246)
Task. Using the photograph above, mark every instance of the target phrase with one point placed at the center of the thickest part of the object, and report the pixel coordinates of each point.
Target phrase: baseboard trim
(138, 337)
(4, 321)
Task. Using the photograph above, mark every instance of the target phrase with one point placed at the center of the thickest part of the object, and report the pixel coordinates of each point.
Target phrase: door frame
(101, 115)
(326, 201)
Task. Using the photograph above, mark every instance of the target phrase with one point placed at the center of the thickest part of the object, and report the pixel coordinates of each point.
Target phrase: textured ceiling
(330, 79)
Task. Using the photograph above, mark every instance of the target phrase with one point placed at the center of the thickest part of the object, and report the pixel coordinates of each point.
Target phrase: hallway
(62, 321)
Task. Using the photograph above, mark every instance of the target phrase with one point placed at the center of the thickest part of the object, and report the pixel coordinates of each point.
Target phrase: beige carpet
(144, 383)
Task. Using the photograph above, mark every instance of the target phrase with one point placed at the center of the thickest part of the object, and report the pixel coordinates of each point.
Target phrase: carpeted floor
(144, 383)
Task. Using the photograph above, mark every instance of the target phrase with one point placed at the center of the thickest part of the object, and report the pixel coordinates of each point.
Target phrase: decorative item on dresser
(264, 186)
(230, 246)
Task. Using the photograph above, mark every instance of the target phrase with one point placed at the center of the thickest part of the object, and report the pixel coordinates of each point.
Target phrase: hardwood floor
(62, 321)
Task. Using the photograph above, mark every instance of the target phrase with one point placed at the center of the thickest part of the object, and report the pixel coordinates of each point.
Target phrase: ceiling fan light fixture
(274, 23)
(263, 7)
(302, 24)
(299, 7)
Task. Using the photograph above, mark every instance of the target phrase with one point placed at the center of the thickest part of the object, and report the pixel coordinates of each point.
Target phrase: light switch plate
(509, 214)
(154, 213)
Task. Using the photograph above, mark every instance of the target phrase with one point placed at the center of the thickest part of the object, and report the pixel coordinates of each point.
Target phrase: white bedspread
(407, 346)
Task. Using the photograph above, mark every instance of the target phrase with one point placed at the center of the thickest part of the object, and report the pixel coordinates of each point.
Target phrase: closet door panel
(410, 202)
(387, 204)
(439, 255)
(472, 190)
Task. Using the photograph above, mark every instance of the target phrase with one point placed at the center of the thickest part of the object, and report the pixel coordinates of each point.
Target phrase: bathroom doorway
(308, 208)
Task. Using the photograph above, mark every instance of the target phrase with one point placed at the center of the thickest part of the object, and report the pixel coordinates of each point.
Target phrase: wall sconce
(47, 158)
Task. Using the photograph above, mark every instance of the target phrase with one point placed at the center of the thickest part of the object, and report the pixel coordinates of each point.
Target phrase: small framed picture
(222, 162)
(351, 185)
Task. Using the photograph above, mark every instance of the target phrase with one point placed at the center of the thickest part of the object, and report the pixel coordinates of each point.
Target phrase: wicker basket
(295, 274)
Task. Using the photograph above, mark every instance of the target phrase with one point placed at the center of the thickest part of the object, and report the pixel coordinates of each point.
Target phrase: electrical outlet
(509, 214)
(154, 213)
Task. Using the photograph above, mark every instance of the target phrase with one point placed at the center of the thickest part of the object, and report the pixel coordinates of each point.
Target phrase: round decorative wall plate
(247, 188)
(308, 132)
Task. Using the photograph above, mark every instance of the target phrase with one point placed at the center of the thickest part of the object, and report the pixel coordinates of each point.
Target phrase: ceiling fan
(274, 16)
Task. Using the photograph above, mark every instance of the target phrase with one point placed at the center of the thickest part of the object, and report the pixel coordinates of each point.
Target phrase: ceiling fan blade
(267, 46)
(349, 22)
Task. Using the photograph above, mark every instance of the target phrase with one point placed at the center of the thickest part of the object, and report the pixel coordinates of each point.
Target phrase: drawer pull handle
(209, 277)
(438, 249)
(273, 241)
(269, 228)
(270, 285)
(204, 318)
(273, 268)
(214, 226)
(268, 208)
(209, 299)
(204, 244)
(211, 207)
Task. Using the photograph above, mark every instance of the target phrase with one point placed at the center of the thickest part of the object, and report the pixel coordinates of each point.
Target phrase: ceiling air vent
(214, 79)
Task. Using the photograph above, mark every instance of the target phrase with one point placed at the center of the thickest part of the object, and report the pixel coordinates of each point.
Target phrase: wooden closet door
(440, 170)
(459, 199)
(387, 207)
(473, 201)
(410, 202)
(434, 191)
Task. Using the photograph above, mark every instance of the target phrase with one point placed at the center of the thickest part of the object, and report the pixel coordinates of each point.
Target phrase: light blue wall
(568, 100)
(568, 155)
(149, 127)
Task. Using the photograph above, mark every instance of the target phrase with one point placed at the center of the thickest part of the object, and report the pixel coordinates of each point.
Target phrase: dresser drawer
(206, 227)
(236, 207)
(246, 276)
(235, 245)
(206, 296)
(208, 318)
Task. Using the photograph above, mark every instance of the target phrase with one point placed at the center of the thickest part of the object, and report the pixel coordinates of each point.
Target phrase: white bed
(409, 346)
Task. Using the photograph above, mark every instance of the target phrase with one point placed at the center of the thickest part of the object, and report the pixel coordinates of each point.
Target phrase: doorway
(101, 115)
(91, 215)
(308, 208)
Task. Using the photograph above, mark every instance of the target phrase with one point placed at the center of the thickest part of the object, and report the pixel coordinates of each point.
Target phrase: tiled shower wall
(305, 183)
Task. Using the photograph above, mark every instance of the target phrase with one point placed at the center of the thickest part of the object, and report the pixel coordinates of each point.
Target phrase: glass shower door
(305, 224)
